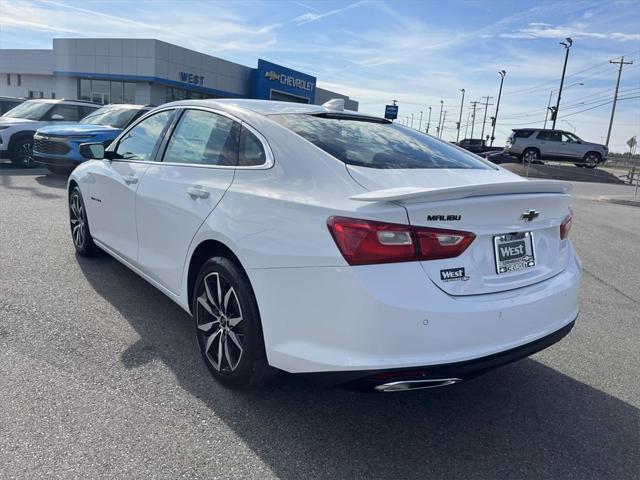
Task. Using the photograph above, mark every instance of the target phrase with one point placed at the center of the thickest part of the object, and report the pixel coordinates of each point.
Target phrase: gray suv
(530, 144)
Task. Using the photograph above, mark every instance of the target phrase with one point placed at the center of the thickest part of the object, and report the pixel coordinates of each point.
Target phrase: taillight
(565, 226)
(364, 242)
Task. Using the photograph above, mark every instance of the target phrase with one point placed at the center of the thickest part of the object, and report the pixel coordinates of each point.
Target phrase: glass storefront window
(117, 92)
(175, 94)
(106, 91)
(129, 92)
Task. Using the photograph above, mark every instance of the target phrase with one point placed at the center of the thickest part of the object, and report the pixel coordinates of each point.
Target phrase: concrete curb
(622, 200)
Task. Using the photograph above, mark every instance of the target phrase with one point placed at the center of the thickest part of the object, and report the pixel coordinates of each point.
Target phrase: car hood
(15, 121)
(382, 178)
(593, 145)
(76, 129)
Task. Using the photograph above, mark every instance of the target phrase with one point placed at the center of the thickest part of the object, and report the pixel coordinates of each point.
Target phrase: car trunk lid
(512, 218)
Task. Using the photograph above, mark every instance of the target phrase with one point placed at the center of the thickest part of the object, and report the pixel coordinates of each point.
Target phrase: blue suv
(58, 147)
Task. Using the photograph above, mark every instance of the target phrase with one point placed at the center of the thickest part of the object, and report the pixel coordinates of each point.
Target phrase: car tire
(59, 170)
(530, 155)
(228, 326)
(591, 159)
(80, 233)
(22, 153)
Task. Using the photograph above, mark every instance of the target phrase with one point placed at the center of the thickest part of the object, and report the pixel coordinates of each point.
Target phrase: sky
(375, 51)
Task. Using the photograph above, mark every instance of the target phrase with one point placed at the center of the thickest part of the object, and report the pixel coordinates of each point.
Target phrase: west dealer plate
(514, 252)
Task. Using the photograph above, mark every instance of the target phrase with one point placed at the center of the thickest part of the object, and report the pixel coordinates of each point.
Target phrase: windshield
(29, 110)
(111, 116)
(376, 144)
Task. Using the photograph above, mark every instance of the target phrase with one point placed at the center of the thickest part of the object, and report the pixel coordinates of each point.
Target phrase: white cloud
(578, 30)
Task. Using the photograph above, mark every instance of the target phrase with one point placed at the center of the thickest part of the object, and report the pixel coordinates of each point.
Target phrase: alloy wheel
(530, 156)
(220, 323)
(591, 160)
(25, 154)
(78, 220)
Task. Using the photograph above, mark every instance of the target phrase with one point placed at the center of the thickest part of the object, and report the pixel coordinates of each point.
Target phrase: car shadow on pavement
(53, 180)
(525, 420)
(8, 171)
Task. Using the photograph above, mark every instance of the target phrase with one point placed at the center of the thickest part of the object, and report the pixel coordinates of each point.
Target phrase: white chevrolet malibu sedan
(316, 240)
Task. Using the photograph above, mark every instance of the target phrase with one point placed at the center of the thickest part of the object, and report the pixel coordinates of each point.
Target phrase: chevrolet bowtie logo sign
(530, 215)
(289, 80)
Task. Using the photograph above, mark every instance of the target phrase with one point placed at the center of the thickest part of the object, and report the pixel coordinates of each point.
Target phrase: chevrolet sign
(289, 80)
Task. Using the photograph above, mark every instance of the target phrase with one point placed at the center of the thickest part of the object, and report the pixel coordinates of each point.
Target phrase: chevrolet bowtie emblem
(271, 75)
(530, 215)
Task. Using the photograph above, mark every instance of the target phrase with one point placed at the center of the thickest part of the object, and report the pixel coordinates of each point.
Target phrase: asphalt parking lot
(100, 377)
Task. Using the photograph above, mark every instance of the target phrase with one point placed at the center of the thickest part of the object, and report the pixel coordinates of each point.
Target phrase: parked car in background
(7, 103)
(474, 145)
(323, 241)
(19, 124)
(58, 147)
(531, 144)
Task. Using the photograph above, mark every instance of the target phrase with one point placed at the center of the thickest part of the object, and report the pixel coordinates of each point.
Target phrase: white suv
(530, 144)
(18, 125)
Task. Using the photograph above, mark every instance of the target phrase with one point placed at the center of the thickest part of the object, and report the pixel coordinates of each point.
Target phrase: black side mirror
(93, 151)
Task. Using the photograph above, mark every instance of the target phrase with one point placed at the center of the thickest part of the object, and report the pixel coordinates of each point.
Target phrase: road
(100, 377)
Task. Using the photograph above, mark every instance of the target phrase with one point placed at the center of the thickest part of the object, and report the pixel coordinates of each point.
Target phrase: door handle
(197, 192)
(129, 179)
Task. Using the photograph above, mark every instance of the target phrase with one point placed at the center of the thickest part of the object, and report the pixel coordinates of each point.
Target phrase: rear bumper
(384, 317)
(460, 371)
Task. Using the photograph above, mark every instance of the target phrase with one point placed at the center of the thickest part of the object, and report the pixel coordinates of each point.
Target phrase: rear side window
(251, 151)
(522, 133)
(68, 113)
(204, 138)
(550, 136)
(376, 144)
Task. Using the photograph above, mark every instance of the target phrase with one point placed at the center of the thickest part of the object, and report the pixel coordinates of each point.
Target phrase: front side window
(30, 110)
(204, 138)
(140, 142)
(570, 138)
(377, 144)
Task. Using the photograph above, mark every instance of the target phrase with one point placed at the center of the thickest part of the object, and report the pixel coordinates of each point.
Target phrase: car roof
(64, 100)
(128, 105)
(267, 107)
(539, 130)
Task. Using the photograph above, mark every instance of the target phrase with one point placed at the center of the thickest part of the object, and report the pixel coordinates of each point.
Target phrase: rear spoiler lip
(421, 194)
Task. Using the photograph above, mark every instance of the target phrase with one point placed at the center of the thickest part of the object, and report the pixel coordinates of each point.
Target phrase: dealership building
(147, 71)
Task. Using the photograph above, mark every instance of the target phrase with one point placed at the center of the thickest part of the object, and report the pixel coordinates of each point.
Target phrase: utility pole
(567, 47)
(466, 127)
(473, 117)
(440, 119)
(443, 120)
(620, 63)
(429, 121)
(460, 119)
(484, 120)
(502, 74)
(420, 123)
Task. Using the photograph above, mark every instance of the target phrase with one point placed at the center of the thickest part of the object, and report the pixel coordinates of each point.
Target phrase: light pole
(551, 95)
(440, 119)
(502, 74)
(429, 120)
(567, 47)
(420, 123)
(460, 118)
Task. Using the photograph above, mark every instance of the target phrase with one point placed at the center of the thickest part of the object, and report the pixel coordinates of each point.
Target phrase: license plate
(514, 252)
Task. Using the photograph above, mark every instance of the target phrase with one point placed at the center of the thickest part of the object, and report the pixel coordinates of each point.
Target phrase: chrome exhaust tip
(405, 385)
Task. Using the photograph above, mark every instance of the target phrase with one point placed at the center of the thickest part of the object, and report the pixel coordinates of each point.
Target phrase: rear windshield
(377, 144)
